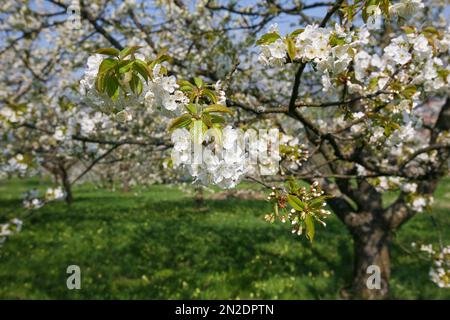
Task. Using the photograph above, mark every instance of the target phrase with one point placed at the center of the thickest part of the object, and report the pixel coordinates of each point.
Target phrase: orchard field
(154, 243)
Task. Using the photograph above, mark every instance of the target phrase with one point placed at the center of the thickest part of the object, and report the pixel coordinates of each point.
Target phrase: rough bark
(371, 248)
(371, 233)
(66, 185)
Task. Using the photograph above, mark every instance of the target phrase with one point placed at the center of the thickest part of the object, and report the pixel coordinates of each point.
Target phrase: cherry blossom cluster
(414, 56)
(32, 200)
(159, 91)
(415, 201)
(224, 157)
(221, 162)
(15, 164)
(440, 270)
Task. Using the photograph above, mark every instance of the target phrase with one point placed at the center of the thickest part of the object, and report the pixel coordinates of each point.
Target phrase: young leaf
(108, 51)
(268, 38)
(296, 32)
(290, 48)
(129, 50)
(191, 108)
(142, 68)
(112, 87)
(135, 84)
(100, 82)
(207, 119)
(217, 108)
(295, 202)
(217, 119)
(125, 66)
(180, 122)
(210, 94)
(198, 82)
(309, 227)
(107, 65)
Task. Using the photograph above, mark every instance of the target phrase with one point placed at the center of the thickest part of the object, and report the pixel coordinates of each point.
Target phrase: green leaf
(136, 84)
(192, 108)
(373, 83)
(217, 119)
(384, 6)
(181, 122)
(185, 88)
(431, 30)
(318, 202)
(210, 94)
(129, 50)
(108, 51)
(183, 83)
(217, 108)
(207, 120)
(309, 227)
(99, 82)
(364, 14)
(409, 91)
(125, 66)
(409, 29)
(198, 82)
(142, 68)
(296, 32)
(292, 185)
(295, 202)
(163, 58)
(336, 41)
(112, 87)
(268, 38)
(107, 65)
(291, 48)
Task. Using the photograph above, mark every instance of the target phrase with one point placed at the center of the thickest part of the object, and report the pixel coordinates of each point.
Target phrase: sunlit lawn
(155, 244)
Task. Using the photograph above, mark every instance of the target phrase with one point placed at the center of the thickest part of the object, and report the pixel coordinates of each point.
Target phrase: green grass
(156, 245)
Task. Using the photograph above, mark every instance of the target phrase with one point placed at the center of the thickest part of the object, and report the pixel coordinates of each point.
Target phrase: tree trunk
(67, 186)
(371, 264)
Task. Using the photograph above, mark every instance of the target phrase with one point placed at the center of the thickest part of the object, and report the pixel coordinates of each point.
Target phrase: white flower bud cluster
(297, 217)
(440, 270)
(293, 152)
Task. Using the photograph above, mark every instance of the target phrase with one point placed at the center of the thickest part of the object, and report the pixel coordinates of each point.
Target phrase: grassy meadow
(153, 243)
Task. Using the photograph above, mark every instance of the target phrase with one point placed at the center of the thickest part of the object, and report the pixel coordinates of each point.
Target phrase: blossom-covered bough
(358, 98)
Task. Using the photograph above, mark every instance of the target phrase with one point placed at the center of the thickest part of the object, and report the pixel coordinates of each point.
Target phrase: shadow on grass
(158, 246)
